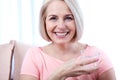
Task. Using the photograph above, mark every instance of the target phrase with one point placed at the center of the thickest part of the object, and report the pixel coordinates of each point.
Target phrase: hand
(76, 67)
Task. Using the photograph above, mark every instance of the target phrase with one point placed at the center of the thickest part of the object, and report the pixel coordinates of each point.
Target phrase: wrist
(57, 77)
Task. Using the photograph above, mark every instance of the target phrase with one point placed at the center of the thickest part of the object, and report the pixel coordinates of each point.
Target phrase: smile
(61, 34)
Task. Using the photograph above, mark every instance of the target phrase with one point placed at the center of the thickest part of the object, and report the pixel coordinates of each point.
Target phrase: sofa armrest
(6, 60)
(19, 52)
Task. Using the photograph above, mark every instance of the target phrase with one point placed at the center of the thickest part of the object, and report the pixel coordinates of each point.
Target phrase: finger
(78, 73)
(90, 67)
(87, 60)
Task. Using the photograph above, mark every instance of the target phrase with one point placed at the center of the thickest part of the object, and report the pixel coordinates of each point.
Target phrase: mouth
(61, 34)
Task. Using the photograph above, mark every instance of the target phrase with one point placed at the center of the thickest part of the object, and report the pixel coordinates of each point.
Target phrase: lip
(61, 34)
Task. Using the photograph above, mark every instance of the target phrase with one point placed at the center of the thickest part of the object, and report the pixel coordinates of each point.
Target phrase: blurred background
(19, 20)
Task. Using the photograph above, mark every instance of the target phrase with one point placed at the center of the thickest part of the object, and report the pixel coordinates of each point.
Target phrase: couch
(11, 57)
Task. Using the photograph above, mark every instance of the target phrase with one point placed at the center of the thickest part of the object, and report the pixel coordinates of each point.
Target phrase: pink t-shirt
(39, 64)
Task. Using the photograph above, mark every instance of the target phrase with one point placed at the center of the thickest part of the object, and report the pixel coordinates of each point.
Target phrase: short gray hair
(76, 11)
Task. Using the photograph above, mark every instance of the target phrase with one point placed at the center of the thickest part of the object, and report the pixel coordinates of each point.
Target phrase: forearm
(57, 76)
(73, 68)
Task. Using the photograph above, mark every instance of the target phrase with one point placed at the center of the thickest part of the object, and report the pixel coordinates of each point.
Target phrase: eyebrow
(69, 15)
(65, 15)
(51, 15)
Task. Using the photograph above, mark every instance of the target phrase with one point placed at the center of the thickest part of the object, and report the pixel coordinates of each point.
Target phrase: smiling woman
(19, 21)
(64, 58)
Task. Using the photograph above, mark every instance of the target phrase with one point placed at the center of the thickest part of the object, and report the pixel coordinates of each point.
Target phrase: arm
(26, 77)
(29, 71)
(108, 75)
(74, 68)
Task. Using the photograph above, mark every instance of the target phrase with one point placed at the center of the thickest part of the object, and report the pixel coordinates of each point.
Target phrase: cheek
(48, 26)
(73, 26)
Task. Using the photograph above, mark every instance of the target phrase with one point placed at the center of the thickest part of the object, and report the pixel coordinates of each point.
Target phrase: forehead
(57, 6)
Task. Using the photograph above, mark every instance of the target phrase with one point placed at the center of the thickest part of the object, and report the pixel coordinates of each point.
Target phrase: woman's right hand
(76, 67)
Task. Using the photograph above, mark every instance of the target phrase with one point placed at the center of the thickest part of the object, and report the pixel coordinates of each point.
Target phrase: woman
(64, 58)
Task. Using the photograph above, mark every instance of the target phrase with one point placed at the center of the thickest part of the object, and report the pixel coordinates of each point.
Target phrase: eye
(68, 18)
(53, 18)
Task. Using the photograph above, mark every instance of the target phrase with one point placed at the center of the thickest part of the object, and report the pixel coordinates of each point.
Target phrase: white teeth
(61, 34)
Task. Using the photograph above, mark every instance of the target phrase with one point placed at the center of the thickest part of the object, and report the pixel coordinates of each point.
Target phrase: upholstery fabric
(19, 52)
(6, 60)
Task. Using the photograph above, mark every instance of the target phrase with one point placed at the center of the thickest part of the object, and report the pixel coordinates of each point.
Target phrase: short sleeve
(29, 66)
(104, 63)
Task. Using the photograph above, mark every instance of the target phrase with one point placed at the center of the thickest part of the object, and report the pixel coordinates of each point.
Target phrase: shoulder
(105, 63)
(35, 49)
(92, 48)
(34, 52)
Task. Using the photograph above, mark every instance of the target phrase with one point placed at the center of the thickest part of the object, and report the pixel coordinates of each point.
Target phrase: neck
(64, 51)
(71, 47)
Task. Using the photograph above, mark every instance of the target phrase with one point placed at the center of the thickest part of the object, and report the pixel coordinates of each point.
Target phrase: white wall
(102, 22)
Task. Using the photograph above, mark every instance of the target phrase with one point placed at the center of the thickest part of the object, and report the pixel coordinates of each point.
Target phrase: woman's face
(60, 23)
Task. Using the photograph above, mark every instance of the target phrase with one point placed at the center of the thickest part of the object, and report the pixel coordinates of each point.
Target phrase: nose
(61, 24)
